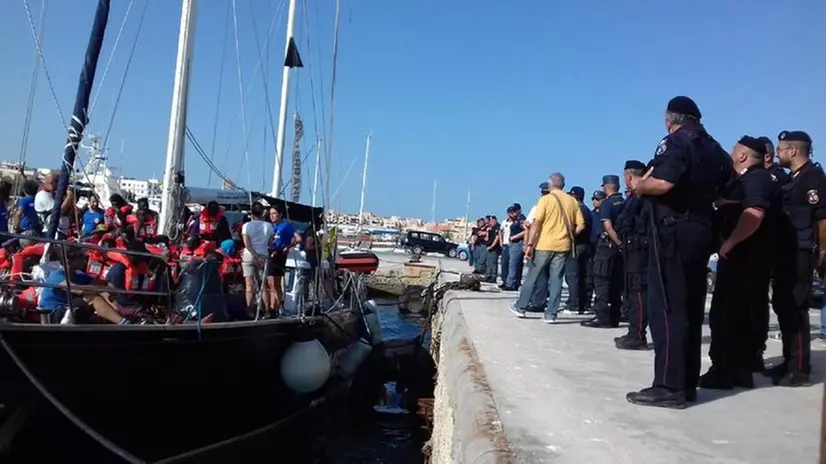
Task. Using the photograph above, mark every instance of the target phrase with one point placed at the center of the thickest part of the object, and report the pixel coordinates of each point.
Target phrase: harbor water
(332, 435)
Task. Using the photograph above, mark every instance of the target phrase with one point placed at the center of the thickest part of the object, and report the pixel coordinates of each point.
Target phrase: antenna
(433, 207)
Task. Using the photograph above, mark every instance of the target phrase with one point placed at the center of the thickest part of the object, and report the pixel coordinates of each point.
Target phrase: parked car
(463, 251)
(427, 242)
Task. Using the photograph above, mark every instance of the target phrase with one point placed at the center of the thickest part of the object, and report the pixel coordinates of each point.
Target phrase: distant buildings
(138, 188)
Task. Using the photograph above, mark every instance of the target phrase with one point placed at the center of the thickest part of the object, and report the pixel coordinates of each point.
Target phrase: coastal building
(138, 188)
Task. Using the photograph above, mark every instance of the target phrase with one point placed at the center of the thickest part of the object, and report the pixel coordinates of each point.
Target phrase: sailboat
(164, 392)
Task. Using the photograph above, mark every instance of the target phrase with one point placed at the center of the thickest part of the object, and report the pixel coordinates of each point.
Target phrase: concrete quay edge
(467, 425)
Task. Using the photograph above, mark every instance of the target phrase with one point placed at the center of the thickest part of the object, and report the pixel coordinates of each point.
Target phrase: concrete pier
(518, 390)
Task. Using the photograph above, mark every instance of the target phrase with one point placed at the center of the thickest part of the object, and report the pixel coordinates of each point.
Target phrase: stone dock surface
(516, 390)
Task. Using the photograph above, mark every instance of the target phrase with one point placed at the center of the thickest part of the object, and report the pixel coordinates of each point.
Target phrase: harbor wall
(466, 423)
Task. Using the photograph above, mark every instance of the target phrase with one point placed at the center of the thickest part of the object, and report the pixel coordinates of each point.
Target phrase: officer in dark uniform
(761, 311)
(801, 241)
(687, 173)
(576, 269)
(607, 267)
(747, 214)
(633, 229)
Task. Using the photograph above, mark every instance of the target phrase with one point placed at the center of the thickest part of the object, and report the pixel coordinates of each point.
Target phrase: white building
(141, 188)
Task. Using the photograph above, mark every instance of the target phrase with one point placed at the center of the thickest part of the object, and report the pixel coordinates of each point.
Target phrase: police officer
(747, 214)
(761, 310)
(633, 227)
(576, 269)
(607, 267)
(688, 171)
(802, 242)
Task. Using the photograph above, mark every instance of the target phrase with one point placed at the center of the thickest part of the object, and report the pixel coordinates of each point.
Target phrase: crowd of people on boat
(135, 265)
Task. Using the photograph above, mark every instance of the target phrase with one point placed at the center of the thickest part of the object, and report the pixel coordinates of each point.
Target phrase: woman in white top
(257, 236)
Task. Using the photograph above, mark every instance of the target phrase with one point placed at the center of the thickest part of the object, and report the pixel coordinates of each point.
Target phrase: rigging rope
(220, 87)
(111, 57)
(213, 169)
(24, 142)
(48, 76)
(275, 19)
(329, 140)
(263, 76)
(241, 91)
(125, 71)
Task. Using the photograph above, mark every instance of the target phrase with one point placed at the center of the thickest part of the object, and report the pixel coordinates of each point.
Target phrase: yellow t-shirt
(554, 235)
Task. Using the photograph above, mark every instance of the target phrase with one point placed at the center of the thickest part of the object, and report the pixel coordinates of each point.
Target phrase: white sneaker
(519, 312)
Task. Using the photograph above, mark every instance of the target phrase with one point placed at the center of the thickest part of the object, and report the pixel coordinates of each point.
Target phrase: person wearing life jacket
(144, 221)
(230, 265)
(92, 216)
(57, 299)
(129, 273)
(116, 214)
(211, 224)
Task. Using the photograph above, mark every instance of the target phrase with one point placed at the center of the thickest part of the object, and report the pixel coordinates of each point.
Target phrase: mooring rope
(77, 421)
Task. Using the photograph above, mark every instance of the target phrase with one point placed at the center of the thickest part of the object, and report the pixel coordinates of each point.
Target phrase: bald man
(44, 203)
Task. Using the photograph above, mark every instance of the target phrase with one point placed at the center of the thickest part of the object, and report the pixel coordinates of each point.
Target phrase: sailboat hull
(158, 391)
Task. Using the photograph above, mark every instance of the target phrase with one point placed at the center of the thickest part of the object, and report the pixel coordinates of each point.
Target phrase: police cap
(684, 105)
(766, 141)
(510, 209)
(634, 164)
(544, 186)
(598, 195)
(516, 207)
(753, 144)
(577, 191)
(610, 179)
(794, 136)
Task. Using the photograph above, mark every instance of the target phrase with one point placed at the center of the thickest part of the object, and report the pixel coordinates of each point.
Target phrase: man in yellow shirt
(558, 219)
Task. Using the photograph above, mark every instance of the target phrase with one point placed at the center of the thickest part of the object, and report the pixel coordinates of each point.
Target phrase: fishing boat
(165, 392)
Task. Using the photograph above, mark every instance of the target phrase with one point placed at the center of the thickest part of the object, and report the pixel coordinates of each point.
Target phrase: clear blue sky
(485, 95)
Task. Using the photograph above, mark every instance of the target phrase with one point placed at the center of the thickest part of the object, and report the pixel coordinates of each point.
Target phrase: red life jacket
(137, 277)
(19, 258)
(149, 227)
(97, 266)
(208, 225)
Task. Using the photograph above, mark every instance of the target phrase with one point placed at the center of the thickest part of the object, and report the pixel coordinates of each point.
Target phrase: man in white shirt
(504, 240)
(44, 203)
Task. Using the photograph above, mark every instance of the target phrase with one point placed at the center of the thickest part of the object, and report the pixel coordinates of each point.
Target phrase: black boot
(792, 379)
(631, 343)
(716, 379)
(658, 396)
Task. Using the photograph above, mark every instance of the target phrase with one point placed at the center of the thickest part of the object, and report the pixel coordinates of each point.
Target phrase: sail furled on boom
(296, 180)
(80, 114)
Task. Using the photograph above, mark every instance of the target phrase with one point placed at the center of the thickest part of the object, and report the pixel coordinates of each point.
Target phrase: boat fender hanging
(305, 366)
(371, 318)
(353, 358)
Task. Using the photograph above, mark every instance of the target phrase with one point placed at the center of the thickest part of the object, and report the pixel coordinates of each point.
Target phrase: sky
(480, 96)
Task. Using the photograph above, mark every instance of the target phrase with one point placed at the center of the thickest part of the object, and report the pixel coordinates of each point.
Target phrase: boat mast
(467, 211)
(79, 115)
(173, 178)
(282, 110)
(317, 167)
(364, 176)
(433, 207)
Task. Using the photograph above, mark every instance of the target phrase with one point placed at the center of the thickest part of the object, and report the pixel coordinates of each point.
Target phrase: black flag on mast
(293, 59)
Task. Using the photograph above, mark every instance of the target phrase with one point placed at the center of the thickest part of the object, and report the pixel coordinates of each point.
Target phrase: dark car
(420, 242)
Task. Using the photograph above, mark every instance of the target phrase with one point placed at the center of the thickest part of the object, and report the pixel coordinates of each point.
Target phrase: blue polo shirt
(584, 237)
(29, 216)
(596, 225)
(282, 235)
(91, 219)
(611, 208)
(53, 299)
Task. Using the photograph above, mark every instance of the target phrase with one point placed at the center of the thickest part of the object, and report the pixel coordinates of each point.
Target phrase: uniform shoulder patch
(661, 148)
(813, 197)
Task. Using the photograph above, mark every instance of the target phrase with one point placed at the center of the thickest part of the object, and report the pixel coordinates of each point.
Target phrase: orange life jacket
(149, 227)
(19, 258)
(97, 266)
(208, 225)
(137, 277)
